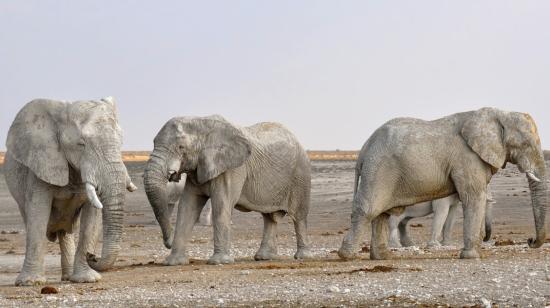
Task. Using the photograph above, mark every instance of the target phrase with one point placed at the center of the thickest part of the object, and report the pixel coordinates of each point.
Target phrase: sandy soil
(508, 275)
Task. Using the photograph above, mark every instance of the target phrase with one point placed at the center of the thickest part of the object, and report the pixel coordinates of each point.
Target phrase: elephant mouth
(174, 176)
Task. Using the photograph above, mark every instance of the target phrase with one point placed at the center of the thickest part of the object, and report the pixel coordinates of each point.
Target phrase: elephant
(408, 160)
(260, 168)
(444, 210)
(63, 163)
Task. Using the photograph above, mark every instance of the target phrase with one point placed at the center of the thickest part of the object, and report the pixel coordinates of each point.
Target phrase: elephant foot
(394, 244)
(345, 253)
(173, 259)
(266, 254)
(303, 253)
(433, 243)
(469, 254)
(88, 275)
(220, 258)
(26, 279)
(380, 254)
(407, 242)
(447, 243)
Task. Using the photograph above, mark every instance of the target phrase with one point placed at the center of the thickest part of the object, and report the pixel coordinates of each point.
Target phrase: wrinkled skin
(55, 151)
(444, 210)
(259, 168)
(408, 161)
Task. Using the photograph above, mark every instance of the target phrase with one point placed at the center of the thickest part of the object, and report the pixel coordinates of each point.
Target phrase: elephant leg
(221, 218)
(394, 231)
(474, 212)
(189, 210)
(449, 223)
(379, 243)
(441, 210)
(488, 221)
(352, 240)
(87, 238)
(38, 203)
(303, 252)
(268, 247)
(67, 247)
(406, 240)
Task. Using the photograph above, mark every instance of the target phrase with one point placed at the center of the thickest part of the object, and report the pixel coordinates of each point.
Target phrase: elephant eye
(81, 143)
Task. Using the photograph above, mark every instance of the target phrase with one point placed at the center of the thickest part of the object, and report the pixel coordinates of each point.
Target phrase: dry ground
(508, 275)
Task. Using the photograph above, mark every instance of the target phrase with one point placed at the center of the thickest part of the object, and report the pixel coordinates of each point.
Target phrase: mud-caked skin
(259, 168)
(444, 211)
(407, 161)
(63, 163)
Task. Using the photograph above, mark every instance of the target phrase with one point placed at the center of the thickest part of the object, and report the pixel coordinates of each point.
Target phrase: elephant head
(202, 147)
(499, 137)
(64, 143)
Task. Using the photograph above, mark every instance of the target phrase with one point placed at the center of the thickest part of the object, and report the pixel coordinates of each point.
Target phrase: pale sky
(331, 71)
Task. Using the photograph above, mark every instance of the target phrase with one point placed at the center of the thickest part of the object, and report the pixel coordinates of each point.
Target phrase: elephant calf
(444, 210)
(259, 168)
(63, 161)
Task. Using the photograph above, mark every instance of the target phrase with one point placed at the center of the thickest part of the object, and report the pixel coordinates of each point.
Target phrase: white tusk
(532, 176)
(92, 196)
(131, 187)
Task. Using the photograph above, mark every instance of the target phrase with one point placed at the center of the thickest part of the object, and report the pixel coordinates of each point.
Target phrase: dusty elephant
(259, 168)
(407, 161)
(63, 161)
(444, 211)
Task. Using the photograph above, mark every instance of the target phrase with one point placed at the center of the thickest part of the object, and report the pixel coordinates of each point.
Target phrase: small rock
(219, 301)
(245, 272)
(334, 289)
(346, 291)
(49, 290)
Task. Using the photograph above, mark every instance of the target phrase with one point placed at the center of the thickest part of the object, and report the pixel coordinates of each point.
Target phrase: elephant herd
(64, 168)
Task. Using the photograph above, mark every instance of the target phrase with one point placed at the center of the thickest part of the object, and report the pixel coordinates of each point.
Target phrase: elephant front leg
(350, 244)
(268, 247)
(474, 212)
(449, 223)
(189, 210)
(379, 243)
(221, 218)
(405, 238)
(89, 227)
(67, 247)
(37, 209)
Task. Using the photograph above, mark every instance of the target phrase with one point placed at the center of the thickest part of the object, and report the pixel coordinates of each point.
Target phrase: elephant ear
(484, 134)
(33, 141)
(224, 147)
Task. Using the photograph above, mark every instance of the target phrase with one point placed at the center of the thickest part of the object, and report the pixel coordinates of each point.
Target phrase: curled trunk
(155, 180)
(539, 199)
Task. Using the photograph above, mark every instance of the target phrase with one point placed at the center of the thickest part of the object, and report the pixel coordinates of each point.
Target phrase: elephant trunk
(155, 180)
(539, 199)
(109, 179)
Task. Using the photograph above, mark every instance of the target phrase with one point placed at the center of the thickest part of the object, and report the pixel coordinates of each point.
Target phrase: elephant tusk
(532, 176)
(131, 187)
(92, 196)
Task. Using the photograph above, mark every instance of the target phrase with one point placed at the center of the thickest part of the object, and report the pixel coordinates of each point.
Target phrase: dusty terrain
(509, 274)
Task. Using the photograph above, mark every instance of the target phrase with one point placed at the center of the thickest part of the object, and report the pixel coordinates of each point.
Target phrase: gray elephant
(444, 211)
(259, 168)
(407, 161)
(63, 161)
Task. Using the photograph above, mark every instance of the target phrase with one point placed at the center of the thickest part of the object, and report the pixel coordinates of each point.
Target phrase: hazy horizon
(332, 72)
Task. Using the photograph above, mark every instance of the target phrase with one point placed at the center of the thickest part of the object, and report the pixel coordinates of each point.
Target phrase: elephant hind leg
(67, 247)
(379, 243)
(405, 238)
(268, 247)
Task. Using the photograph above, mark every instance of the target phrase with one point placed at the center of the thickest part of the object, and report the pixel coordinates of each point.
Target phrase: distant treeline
(313, 155)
